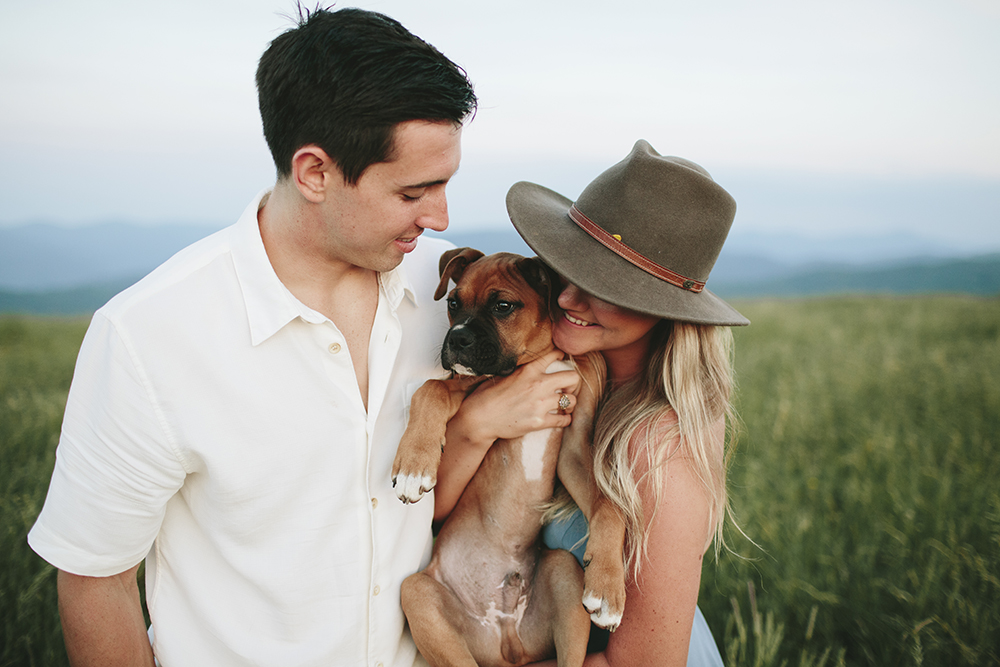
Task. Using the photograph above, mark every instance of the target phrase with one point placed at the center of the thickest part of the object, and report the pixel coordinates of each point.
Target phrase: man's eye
(503, 307)
(412, 197)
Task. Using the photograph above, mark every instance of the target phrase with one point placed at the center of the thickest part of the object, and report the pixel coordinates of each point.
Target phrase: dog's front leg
(575, 468)
(414, 471)
(604, 574)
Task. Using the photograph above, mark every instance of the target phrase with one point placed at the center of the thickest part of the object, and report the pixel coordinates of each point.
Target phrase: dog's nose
(460, 338)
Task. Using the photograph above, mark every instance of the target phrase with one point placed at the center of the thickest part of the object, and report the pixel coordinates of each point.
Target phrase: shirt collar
(269, 304)
(396, 284)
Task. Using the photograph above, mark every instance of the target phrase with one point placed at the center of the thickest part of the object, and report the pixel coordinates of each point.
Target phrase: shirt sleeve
(115, 469)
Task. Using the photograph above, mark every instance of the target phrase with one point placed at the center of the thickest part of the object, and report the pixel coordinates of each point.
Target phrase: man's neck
(346, 294)
(294, 244)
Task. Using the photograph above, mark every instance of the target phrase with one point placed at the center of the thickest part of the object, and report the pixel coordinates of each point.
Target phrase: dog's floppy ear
(452, 265)
(541, 278)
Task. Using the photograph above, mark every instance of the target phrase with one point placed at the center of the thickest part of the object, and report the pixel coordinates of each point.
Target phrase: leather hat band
(615, 245)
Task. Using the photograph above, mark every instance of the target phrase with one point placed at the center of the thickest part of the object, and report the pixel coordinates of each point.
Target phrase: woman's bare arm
(659, 611)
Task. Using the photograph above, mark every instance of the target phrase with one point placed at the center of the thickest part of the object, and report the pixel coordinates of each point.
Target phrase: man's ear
(313, 172)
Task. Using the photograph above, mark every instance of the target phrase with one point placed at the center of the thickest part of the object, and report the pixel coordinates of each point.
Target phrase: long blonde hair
(690, 373)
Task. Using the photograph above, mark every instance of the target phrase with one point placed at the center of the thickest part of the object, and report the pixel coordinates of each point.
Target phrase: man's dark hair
(343, 80)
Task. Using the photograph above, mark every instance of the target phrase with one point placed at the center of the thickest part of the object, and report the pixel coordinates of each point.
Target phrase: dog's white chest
(533, 447)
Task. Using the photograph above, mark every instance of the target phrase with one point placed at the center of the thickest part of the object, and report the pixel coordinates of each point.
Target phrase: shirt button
(374, 503)
(377, 590)
(379, 664)
(334, 348)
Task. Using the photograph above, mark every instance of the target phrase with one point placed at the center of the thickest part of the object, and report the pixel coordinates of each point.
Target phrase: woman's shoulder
(659, 430)
(658, 439)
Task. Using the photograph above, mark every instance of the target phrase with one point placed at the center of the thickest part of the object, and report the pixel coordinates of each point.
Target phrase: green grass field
(36, 365)
(868, 473)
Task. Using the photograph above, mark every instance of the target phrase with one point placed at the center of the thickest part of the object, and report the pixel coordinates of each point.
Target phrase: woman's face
(585, 323)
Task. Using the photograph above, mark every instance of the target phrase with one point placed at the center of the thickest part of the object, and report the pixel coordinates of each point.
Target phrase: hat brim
(541, 217)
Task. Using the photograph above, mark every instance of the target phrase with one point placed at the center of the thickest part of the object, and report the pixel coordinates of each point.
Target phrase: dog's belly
(496, 594)
(533, 449)
(487, 552)
(491, 586)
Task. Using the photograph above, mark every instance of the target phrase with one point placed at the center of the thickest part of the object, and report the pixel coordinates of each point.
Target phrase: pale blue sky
(822, 118)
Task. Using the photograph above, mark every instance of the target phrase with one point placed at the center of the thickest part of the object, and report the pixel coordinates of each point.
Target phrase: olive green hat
(643, 235)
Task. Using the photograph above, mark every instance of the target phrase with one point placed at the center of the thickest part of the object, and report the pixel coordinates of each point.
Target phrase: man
(233, 416)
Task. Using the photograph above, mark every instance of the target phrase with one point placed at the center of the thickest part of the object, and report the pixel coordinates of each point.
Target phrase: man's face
(373, 223)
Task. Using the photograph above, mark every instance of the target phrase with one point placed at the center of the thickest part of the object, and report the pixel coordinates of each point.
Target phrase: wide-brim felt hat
(643, 235)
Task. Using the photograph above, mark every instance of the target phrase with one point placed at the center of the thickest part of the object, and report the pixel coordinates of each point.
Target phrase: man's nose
(435, 215)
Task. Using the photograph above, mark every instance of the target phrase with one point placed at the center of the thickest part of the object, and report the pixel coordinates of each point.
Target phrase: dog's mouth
(469, 351)
(460, 365)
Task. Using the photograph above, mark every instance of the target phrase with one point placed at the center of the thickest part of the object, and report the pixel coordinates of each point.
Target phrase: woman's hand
(509, 407)
(527, 400)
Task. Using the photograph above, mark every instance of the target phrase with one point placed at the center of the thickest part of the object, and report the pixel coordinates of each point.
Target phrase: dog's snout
(477, 350)
(460, 338)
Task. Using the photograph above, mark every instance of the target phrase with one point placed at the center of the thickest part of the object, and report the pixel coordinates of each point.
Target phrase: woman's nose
(570, 297)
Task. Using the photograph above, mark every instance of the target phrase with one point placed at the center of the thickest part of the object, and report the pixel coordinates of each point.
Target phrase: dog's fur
(491, 595)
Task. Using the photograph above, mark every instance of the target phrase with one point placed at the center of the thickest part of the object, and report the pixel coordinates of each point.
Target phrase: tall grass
(868, 473)
(36, 365)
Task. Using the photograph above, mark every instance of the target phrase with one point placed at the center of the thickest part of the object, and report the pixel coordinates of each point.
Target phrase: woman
(635, 250)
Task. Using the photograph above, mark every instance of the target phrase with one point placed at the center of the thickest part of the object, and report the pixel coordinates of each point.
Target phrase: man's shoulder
(183, 268)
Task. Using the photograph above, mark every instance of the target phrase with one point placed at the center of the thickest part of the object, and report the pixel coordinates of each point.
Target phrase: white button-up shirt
(215, 427)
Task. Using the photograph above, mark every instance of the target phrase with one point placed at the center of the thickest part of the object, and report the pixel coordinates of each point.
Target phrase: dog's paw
(604, 590)
(414, 473)
(601, 612)
(411, 487)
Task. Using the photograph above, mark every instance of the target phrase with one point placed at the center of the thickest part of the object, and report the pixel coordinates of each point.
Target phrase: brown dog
(491, 595)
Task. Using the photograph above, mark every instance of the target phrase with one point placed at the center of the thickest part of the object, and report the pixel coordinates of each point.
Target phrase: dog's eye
(452, 303)
(503, 307)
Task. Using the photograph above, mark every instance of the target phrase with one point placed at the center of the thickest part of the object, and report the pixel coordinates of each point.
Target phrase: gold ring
(563, 402)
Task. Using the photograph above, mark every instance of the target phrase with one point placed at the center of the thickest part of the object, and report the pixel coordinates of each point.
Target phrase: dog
(491, 596)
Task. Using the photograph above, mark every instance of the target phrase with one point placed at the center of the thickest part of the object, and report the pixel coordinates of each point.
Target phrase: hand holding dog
(504, 407)
(527, 400)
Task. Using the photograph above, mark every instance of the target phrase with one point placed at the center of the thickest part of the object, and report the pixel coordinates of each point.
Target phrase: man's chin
(387, 263)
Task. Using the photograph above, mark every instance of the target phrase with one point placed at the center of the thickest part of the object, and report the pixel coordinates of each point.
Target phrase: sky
(829, 119)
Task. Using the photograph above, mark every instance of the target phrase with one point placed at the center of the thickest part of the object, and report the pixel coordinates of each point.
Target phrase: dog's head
(499, 310)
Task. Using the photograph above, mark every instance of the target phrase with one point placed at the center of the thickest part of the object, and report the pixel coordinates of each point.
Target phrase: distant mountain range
(45, 269)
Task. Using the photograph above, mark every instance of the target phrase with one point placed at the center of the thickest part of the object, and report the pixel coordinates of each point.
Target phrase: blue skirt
(570, 534)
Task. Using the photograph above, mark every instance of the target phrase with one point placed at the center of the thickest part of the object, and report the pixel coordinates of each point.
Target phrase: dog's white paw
(600, 612)
(411, 488)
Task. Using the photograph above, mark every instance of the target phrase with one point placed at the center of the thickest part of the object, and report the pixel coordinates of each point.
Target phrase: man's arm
(102, 620)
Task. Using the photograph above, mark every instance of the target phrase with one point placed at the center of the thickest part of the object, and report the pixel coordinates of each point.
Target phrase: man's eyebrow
(427, 184)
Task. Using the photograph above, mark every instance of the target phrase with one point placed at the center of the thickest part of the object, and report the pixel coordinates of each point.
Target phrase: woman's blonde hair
(690, 373)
